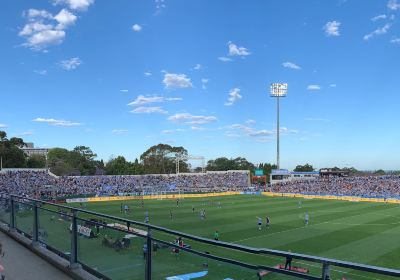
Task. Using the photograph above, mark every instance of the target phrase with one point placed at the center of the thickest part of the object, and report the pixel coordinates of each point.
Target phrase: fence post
(148, 255)
(73, 259)
(325, 271)
(12, 213)
(35, 233)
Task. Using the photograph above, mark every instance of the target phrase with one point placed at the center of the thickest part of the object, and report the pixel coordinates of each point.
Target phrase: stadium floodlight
(278, 90)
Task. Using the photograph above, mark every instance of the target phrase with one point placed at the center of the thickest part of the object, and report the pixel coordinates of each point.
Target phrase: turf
(361, 232)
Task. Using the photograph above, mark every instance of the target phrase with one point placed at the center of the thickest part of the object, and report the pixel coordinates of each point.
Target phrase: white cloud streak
(149, 110)
(119, 131)
(331, 28)
(56, 122)
(187, 118)
(313, 87)
(81, 5)
(70, 64)
(234, 95)
(379, 17)
(142, 100)
(234, 50)
(291, 65)
(377, 32)
(393, 5)
(176, 81)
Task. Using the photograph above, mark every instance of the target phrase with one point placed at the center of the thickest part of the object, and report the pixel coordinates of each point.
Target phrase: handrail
(242, 248)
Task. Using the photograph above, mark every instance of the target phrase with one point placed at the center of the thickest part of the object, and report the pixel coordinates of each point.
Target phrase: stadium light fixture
(278, 90)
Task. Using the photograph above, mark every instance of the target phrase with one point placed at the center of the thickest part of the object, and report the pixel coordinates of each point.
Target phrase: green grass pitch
(361, 232)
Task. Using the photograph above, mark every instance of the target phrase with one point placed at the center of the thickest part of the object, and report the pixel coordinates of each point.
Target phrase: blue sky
(121, 76)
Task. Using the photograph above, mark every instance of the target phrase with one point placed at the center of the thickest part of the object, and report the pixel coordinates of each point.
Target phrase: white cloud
(65, 18)
(173, 99)
(197, 67)
(123, 90)
(70, 64)
(291, 65)
(234, 50)
(234, 95)
(331, 28)
(142, 100)
(149, 110)
(42, 39)
(332, 85)
(224, 58)
(238, 130)
(2, 125)
(174, 81)
(119, 131)
(250, 121)
(379, 31)
(136, 27)
(40, 72)
(395, 41)
(393, 5)
(204, 83)
(56, 122)
(191, 119)
(34, 27)
(43, 29)
(81, 5)
(376, 18)
(33, 13)
(313, 87)
(147, 74)
(172, 131)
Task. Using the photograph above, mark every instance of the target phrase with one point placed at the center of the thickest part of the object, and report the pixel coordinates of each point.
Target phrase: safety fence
(118, 248)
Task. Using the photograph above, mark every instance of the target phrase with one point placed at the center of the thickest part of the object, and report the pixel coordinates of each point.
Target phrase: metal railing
(150, 237)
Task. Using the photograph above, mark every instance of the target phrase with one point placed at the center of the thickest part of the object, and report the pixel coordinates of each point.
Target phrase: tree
(224, 164)
(12, 155)
(267, 167)
(380, 172)
(304, 168)
(36, 161)
(160, 159)
(59, 161)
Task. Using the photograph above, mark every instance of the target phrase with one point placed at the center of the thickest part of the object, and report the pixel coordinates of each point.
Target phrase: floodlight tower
(278, 90)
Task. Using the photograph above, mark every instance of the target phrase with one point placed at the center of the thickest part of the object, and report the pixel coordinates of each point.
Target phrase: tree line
(158, 159)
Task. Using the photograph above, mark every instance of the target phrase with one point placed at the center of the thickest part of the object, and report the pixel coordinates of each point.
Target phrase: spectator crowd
(43, 184)
(363, 186)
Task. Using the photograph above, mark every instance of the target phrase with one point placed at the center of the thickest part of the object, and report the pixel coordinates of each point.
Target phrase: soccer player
(170, 215)
(219, 204)
(146, 217)
(267, 222)
(306, 218)
(121, 208)
(216, 235)
(299, 204)
(193, 209)
(259, 222)
(126, 209)
(177, 202)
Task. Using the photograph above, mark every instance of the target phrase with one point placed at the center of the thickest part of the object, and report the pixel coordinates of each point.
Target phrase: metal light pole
(278, 90)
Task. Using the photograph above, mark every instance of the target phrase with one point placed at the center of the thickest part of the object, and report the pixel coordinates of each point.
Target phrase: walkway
(21, 264)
